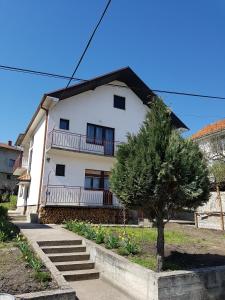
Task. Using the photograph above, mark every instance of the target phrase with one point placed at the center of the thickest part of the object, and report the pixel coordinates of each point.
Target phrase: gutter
(43, 158)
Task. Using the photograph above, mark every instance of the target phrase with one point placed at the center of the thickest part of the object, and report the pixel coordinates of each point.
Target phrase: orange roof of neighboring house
(7, 146)
(25, 177)
(211, 128)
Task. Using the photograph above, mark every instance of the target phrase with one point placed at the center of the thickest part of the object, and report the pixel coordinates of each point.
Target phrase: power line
(59, 76)
(89, 42)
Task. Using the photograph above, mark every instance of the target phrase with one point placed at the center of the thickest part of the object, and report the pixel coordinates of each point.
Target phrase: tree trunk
(160, 244)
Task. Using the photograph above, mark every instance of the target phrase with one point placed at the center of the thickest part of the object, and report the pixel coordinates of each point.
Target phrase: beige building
(8, 156)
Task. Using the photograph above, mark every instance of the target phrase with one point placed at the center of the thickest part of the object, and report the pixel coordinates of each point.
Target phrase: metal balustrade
(81, 143)
(60, 195)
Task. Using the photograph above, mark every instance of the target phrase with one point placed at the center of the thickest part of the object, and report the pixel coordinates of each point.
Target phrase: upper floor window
(119, 102)
(64, 124)
(60, 170)
(11, 163)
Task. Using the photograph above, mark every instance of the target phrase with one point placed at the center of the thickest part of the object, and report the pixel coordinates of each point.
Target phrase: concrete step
(81, 275)
(18, 218)
(75, 265)
(79, 256)
(61, 249)
(60, 243)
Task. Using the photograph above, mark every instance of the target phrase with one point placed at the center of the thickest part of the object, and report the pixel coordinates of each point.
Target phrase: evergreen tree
(160, 172)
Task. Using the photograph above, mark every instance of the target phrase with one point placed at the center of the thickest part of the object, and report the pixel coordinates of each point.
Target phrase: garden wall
(143, 284)
(57, 215)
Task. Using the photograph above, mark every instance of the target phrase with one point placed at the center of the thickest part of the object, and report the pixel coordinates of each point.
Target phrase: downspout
(43, 159)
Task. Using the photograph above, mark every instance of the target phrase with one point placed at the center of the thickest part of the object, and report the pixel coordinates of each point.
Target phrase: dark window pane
(90, 133)
(96, 183)
(64, 124)
(88, 183)
(99, 136)
(60, 170)
(119, 102)
(11, 162)
(106, 183)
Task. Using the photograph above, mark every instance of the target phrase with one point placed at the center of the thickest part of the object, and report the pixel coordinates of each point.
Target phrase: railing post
(79, 143)
(79, 196)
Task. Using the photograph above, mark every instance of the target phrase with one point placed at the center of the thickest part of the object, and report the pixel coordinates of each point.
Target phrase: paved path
(96, 289)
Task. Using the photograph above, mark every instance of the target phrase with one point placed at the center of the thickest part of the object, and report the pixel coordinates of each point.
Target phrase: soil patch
(16, 277)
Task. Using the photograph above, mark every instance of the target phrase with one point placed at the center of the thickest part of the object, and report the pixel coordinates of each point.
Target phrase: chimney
(10, 143)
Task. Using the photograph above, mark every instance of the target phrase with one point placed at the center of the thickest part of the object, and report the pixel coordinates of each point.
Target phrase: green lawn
(10, 205)
(175, 239)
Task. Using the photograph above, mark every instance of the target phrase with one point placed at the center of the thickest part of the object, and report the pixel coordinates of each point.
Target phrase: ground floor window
(96, 180)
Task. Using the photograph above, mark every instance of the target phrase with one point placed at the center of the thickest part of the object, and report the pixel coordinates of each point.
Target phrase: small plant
(128, 244)
(33, 261)
(100, 234)
(111, 241)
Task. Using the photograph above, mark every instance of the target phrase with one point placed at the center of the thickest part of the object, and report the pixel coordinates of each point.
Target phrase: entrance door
(109, 141)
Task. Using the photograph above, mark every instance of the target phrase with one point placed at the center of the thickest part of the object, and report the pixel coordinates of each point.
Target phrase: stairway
(70, 258)
(16, 216)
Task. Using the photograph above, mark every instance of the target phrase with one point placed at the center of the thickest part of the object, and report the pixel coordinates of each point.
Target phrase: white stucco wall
(96, 106)
(35, 171)
(75, 165)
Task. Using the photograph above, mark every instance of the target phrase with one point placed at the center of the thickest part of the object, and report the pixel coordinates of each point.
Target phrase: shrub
(3, 212)
(8, 231)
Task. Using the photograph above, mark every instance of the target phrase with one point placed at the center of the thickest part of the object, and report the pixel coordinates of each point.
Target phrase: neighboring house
(211, 140)
(70, 145)
(8, 156)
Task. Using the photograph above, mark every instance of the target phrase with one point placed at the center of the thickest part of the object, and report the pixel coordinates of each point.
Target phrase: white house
(70, 144)
(211, 140)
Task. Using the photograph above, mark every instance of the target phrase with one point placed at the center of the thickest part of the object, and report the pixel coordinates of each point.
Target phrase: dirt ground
(206, 247)
(16, 277)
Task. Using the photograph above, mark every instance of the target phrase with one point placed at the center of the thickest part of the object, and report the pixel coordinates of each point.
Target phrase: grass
(150, 235)
(146, 239)
(11, 205)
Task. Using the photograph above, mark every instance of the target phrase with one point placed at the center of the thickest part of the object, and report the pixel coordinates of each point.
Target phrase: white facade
(70, 164)
(94, 107)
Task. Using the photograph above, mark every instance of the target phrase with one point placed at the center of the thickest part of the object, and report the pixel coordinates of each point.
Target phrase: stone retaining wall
(208, 215)
(57, 215)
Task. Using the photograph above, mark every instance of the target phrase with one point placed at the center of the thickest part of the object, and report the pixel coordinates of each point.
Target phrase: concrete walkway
(96, 289)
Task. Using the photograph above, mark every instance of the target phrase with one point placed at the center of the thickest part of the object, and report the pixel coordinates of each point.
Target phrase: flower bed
(123, 242)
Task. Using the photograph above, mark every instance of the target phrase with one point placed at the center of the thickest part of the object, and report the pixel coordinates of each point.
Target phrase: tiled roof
(6, 146)
(209, 129)
(25, 177)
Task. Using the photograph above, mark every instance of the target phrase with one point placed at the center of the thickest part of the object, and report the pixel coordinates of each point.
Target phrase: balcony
(20, 165)
(60, 195)
(65, 140)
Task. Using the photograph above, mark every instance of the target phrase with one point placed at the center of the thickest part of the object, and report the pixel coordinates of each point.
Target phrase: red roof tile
(6, 146)
(211, 128)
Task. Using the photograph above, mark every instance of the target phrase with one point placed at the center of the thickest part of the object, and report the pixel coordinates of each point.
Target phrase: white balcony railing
(80, 143)
(57, 195)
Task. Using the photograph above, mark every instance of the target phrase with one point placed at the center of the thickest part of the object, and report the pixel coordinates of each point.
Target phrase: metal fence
(81, 143)
(59, 195)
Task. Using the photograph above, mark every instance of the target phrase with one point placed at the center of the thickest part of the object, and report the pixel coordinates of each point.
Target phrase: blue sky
(174, 45)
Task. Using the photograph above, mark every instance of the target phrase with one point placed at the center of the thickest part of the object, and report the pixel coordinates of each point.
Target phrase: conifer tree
(160, 172)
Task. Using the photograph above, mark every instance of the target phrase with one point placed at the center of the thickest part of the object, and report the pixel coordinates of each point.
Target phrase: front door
(109, 141)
